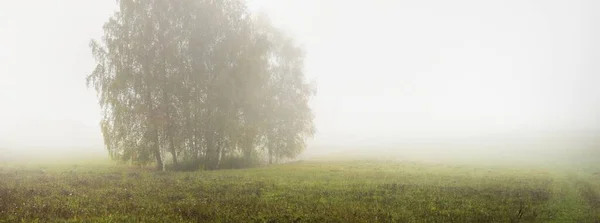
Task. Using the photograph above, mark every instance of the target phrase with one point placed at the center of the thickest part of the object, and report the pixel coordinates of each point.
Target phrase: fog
(399, 78)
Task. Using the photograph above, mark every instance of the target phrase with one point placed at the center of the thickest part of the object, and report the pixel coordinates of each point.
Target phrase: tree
(289, 120)
(200, 80)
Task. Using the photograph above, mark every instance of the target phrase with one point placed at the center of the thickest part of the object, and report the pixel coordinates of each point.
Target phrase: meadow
(303, 191)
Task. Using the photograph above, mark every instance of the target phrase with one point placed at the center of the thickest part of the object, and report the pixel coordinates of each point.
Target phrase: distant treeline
(200, 82)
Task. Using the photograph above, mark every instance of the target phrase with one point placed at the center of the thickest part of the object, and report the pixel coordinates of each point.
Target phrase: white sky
(386, 70)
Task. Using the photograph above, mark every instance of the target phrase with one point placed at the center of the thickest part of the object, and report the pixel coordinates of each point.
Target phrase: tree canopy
(199, 82)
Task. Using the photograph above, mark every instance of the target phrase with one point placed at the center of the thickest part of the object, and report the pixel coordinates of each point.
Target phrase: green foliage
(300, 192)
(200, 80)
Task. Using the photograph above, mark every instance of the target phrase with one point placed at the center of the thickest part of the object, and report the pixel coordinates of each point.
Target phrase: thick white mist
(388, 72)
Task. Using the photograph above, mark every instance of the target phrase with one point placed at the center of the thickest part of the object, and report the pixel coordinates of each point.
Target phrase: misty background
(398, 77)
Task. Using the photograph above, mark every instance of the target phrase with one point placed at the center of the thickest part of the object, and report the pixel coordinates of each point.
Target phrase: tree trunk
(270, 156)
(167, 121)
(219, 154)
(247, 147)
(156, 149)
(151, 119)
(173, 152)
(248, 154)
(210, 151)
(159, 163)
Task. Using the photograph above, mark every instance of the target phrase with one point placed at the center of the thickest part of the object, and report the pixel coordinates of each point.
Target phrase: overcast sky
(386, 70)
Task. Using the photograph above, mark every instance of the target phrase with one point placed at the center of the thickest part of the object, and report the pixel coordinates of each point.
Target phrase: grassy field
(317, 191)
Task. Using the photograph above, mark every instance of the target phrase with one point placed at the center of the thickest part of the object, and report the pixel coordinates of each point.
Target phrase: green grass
(340, 191)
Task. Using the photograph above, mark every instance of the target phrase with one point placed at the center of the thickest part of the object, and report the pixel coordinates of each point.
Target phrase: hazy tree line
(199, 82)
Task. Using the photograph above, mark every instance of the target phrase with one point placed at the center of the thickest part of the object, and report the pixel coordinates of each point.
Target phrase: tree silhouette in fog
(200, 82)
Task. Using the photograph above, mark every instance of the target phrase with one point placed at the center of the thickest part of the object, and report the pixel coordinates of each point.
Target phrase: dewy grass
(352, 191)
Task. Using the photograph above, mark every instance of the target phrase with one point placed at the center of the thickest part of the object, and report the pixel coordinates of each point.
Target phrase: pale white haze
(388, 72)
